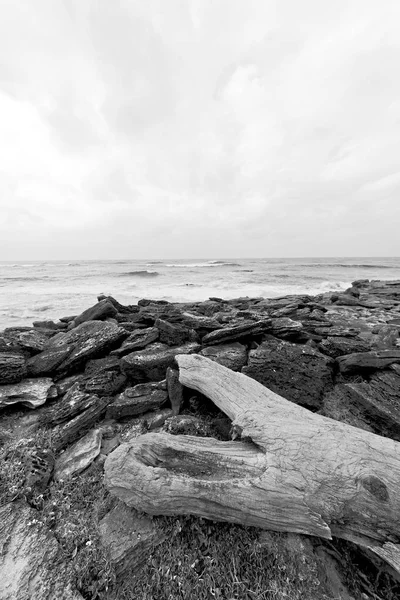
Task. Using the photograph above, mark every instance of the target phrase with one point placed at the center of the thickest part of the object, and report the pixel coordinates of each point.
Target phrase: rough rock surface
(99, 312)
(152, 363)
(175, 390)
(28, 553)
(335, 346)
(68, 352)
(298, 373)
(30, 392)
(173, 334)
(237, 332)
(137, 340)
(78, 456)
(136, 401)
(129, 538)
(368, 361)
(12, 367)
(233, 356)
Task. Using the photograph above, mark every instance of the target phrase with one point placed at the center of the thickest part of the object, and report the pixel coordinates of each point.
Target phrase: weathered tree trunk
(298, 471)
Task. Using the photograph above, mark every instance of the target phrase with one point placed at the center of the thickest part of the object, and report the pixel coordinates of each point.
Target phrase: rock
(233, 356)
(28, 555)
(74, 402)
(172, 334)
(108, 383)
(298, 373)
(49, 325)
(200, 323)
(12, 367)
(153, 361)
(68, 352)
(209, 307)
(64, 384)
(129, 538)
(188, 425)
(286, 328)
(30, 340)
(339, 346)
(79, 456)
(69, 432)
(99, 312)
(386, 336)
(237, 332)
(155, 420)
(380, 399)
(137, 340)
(30, 392)
(175, 390)
(40, 467)
(362, 362)
(136, 401)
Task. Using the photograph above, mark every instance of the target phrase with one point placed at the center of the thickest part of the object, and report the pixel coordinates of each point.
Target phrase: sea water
(53, 289)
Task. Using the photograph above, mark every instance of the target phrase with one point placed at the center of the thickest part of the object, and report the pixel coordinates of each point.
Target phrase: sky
(199, 128)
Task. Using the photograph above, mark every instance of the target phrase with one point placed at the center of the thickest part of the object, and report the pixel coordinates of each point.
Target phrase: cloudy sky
(199, 128)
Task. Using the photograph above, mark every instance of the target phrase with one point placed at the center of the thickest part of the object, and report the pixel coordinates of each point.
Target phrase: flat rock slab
(173, 334)
(368, 361)
(237, 332)
(285, 328)
(129, 537)
(335, 346)
(137, 340)
(136, 401)
(152, 363)
(31, 341)
(28, 554)
(79, 456)
(12, 367)
(298, 373)
(233, 356)
(99, 312)
(68, 352)
(30, 392)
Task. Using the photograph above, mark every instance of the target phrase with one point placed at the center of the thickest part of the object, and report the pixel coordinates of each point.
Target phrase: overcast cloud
(199, 128)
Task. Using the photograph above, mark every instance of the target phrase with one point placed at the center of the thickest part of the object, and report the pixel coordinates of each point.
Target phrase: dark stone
(339, 346)
(386, 336)
(137, 340)
(233, 356)
(285, 328)
(12, 367)
(208, 308)
(68, 352)
(99, 312)
(100, 365)
(29, 341)
(188, 425)
(106, 383)
(172, 334)
(49, 325)
(136, 401)
(200, 323)
(175, 390)
(237, 332)
(362, 362)
(152, 363)
(63, 385)
(298, 373)
(74, 402)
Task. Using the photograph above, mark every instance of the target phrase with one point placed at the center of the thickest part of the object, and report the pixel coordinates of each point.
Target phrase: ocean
(33, 291)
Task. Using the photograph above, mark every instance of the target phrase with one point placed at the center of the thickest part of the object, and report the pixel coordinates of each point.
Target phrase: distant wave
(203, 265)
(347, 266)
(10, 279)
(139, 274)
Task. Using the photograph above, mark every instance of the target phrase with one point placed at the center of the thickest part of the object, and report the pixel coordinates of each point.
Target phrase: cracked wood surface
(298, 471)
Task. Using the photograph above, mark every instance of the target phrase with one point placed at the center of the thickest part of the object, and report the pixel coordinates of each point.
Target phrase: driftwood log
(293, 470)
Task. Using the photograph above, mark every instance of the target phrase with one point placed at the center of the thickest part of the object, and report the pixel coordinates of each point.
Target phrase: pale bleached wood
(300, 472)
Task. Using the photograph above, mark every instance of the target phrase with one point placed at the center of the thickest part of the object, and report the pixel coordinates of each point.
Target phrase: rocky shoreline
(72, 391)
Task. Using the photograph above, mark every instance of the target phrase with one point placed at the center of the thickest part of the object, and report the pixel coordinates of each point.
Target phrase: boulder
(173, 334)
(286, 328)
(298, 373)
(68, 352)
(136, 401)
(28, 555)
(233, 356)
(386, 336)
(99, 312)
(175, 390)
(30, 392)
(69, 432)
(152, 363)
(74, 402)
(237, 332)
(29, 340)
(78, 456)
(129, 538)
(137, 340)
(12, 367)
(339, 346)
(103, 377)
(364, 362)
(201, 324)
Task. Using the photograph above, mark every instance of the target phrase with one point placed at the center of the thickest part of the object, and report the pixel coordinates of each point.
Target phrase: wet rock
(172, 334)
(237, 332)
(79, 456)
(233, 356)
(175, 390)
(129, 538)
(299, 373)
(137, 340)
(12, 367)
(30, 392)
(136, 401)
(68, 352)
(99, 312)
(152, 363)
(363, 362)
(28, 555)
(339, 346)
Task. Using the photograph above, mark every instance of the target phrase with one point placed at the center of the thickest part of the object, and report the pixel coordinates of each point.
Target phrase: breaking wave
(139, 274)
